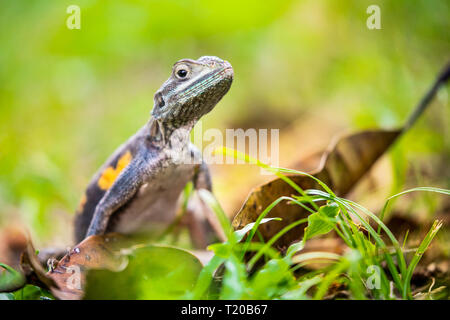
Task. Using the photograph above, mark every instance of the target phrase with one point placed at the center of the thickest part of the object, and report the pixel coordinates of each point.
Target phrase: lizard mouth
(228, 72)
(221, 77)
(228, 69)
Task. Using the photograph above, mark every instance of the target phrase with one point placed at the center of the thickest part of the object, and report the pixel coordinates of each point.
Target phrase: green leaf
(234, 281)
(205, 278)
(10, 279)
(222, 250)
(418, 255)
(7, 296)
(225, 249)
(31, 292)
(241, 232)
(293, 249)
(299, 293)
(153, 272)
(321, 222)
(273, 280)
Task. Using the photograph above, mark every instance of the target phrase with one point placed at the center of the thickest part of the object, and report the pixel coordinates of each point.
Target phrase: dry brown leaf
(341, 168)
(13, 241)
(32, 268)
(94, 252)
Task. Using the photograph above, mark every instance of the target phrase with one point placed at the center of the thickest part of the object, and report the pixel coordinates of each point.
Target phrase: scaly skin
(139, 185)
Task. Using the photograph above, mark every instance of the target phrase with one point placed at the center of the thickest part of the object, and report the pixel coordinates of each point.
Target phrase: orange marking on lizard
(110, 174)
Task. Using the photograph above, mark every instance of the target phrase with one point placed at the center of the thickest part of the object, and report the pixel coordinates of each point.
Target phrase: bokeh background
(310, 68)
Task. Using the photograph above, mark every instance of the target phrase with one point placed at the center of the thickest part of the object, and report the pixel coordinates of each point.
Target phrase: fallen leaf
(117, 267)
(341, 168)
(94, 252)
(13, 241)
(32, 268)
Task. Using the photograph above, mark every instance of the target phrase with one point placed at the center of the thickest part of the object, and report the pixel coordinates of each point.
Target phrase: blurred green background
(68, 98)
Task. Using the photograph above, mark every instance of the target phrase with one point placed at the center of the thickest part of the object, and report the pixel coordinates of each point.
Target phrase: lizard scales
(139, 185)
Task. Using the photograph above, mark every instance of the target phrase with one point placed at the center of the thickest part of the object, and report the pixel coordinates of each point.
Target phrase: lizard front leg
(127, 184)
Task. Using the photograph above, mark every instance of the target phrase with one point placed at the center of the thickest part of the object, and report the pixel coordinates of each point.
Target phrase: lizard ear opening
(159, 101)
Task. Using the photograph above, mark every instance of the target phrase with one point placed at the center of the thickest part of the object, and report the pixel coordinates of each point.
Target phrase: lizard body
(139, 185)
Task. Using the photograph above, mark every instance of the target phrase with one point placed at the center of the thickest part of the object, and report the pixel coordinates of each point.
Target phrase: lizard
(139, 184)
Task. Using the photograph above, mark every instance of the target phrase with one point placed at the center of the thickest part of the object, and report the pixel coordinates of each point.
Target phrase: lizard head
(192, 90)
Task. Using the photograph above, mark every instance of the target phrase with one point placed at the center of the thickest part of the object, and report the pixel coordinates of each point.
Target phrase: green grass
(375, 266)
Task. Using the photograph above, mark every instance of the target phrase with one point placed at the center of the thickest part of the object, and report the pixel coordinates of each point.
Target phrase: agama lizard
(139, 185)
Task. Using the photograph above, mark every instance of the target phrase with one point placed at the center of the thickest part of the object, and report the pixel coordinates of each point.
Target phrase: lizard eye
(182, 72)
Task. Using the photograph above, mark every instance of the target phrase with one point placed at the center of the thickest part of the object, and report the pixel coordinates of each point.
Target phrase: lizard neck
(161, 133)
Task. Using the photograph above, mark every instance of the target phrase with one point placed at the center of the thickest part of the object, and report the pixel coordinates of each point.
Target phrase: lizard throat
(162, 133)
